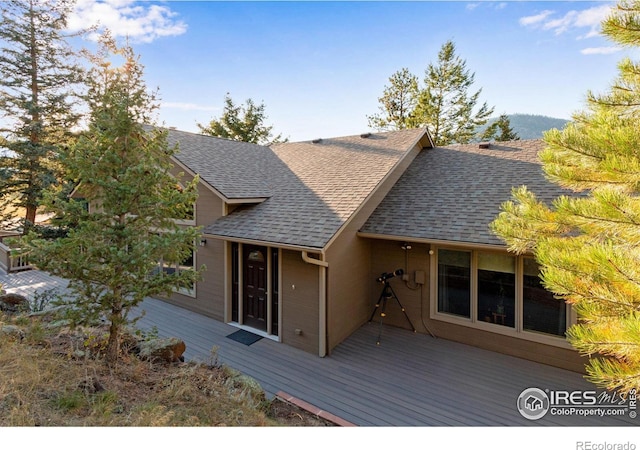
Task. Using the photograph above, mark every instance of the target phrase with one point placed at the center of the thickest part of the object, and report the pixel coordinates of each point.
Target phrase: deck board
(408, 380)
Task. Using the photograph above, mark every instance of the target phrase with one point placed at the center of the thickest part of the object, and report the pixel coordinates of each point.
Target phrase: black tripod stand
(387, 293)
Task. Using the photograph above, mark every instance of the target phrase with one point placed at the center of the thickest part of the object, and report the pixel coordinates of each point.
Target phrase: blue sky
(319, 67)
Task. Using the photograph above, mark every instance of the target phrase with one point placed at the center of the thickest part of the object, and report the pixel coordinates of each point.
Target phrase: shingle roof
(316, 187)
(452, 193)
(229, 166)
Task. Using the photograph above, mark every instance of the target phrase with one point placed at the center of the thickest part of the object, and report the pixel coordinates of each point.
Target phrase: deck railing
(13, 259)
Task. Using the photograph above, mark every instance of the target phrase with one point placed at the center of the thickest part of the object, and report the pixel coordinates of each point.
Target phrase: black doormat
(244, 337)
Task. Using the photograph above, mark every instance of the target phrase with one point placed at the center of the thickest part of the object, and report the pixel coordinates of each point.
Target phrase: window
(173, 268)
(496, 291)
(256, 256)
(542, 312)
(454, 282)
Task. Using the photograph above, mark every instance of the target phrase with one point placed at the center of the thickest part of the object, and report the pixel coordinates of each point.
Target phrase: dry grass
(42, 383)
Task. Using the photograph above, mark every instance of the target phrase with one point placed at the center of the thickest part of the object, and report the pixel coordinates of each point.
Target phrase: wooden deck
(408, 380)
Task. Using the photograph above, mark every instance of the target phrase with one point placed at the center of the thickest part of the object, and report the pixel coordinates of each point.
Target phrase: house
(533, 403)
(296, 236)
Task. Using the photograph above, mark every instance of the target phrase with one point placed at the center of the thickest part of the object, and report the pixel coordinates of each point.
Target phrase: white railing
(13, 259)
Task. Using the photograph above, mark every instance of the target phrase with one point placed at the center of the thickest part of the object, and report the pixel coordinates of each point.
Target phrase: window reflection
(454, 282)
(496, 289)
(541, 311)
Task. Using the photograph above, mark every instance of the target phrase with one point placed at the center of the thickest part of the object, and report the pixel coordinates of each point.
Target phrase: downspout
(322, 296)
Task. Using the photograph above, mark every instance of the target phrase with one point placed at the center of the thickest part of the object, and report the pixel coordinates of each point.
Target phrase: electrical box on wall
(420, 278)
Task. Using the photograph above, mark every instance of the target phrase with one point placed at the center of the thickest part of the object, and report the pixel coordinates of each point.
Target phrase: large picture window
(542, 312)
(454, 282)
(498, 291)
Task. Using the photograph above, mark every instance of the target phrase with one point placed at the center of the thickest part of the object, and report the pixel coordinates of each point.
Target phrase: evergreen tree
(442, 104)
(398, 102)
(588, 245)
(127, 245)
(37, 79)
(445, 105)
(500, 130)
(242, 123)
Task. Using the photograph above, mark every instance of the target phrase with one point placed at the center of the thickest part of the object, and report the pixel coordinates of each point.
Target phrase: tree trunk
(30, 217)
(113, 345)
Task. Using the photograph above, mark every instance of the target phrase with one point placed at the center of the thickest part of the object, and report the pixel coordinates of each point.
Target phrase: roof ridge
(206, 136)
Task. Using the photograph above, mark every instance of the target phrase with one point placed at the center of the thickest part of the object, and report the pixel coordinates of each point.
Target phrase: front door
(254, 306)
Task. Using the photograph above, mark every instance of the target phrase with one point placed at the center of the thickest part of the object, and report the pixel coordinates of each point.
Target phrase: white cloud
(188, 106)
(600, 50)
(590, 18)
(562, 24)
(534, 20)
(140, 22)
(486, 3)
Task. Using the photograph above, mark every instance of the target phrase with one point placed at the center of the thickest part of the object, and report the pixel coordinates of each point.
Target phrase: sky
(320, 67)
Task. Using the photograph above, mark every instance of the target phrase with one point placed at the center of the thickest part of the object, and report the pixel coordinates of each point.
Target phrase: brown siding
(387, 256)
(299, 295)
(209, 299)
(546, 354)
(349, 291)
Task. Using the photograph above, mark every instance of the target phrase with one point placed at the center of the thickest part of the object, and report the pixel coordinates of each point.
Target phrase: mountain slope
(530, 126)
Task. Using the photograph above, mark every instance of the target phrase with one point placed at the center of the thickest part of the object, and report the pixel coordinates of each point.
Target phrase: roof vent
(365, 135)
(484, 145)
(317, 141)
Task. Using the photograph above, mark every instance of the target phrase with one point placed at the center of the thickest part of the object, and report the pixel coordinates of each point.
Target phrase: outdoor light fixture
(406, 246)
(203, 242)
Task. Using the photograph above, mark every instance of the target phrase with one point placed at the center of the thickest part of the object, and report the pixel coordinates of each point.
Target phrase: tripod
(386, 294)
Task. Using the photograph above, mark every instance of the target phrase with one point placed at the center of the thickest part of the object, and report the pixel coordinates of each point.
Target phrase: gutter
(322, 297)
(429, 241)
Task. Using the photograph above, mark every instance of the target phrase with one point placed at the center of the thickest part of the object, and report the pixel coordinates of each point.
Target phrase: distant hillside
(529, 126)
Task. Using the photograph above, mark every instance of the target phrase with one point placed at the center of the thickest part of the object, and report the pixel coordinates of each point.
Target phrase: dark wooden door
(254, 306)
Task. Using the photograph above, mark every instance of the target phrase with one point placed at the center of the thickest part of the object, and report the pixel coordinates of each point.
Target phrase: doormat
(244, 337)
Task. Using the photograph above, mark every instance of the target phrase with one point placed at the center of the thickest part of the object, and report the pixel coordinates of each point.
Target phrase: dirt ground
(292, 416)
(67, 366)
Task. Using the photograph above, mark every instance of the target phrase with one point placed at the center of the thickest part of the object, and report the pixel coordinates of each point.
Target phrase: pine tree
(242, 123)
(445, 105)
(127, 245)
(588, 244)
(38, 74)
(398, 102)
(500, 131)
(442, 104)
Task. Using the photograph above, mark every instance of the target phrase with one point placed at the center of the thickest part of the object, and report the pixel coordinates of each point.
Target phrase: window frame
(181, 290)
(518, 330)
